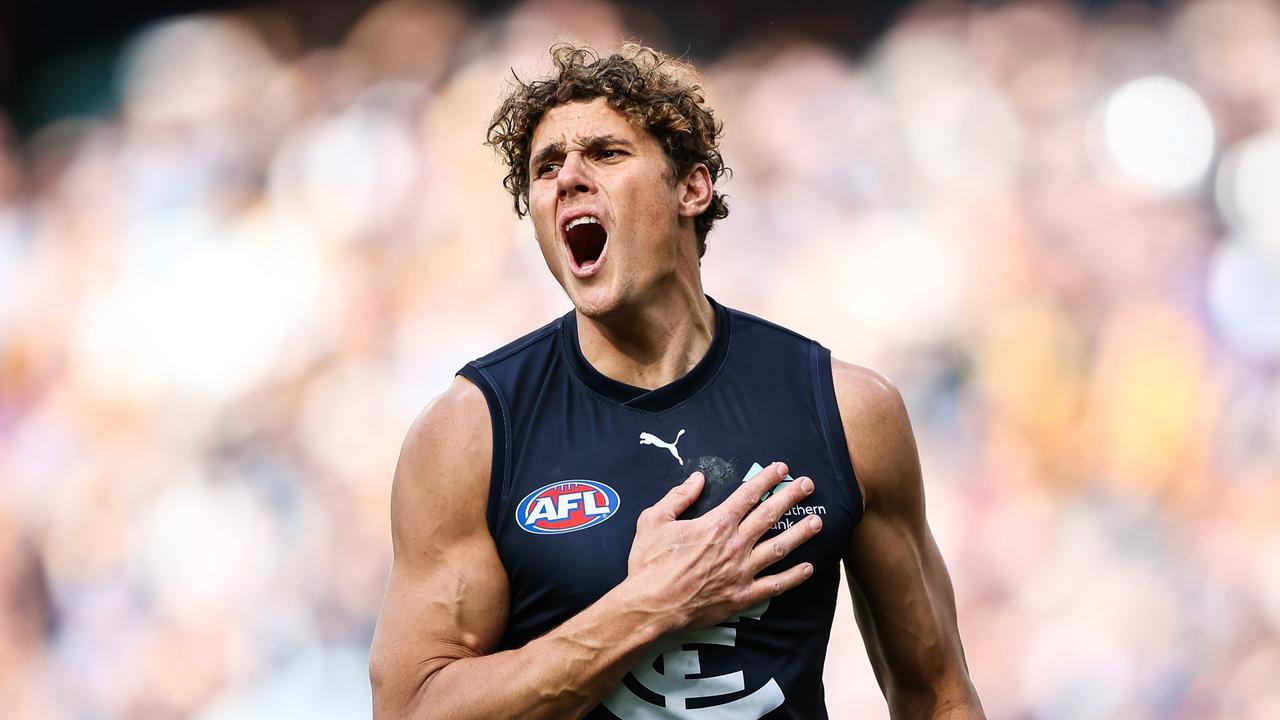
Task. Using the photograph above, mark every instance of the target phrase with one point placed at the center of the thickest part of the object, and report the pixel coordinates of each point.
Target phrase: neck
(654, 344)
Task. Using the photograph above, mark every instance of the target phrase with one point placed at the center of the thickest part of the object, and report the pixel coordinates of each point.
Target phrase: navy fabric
(762, 393)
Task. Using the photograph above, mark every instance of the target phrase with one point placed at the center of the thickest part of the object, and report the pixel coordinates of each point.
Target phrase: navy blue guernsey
(577, 456)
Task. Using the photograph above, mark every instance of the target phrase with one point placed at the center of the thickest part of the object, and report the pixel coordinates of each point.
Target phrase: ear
(695, 191)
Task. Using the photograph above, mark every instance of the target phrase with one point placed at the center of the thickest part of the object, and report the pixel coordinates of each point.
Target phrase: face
(613, 223)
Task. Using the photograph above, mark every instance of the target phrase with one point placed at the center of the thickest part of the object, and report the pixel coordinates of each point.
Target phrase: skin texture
(643, 319)
(901, 591)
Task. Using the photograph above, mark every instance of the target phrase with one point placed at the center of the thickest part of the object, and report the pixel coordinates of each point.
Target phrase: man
(591, 523)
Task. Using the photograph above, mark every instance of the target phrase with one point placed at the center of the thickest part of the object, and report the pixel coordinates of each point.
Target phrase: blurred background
(241, 248)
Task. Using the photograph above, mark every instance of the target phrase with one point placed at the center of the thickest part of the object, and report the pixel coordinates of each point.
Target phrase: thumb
(680, 497)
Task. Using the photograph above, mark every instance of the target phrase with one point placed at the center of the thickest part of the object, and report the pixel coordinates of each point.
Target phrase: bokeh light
(1159, 132)
(1247, 187)
(1244, 294)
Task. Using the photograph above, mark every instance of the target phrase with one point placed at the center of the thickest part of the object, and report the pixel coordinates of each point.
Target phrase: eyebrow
(592, 142)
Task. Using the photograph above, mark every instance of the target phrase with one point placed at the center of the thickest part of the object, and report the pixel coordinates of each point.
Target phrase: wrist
(652, 614)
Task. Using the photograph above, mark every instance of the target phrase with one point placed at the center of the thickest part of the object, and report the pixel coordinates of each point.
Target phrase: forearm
(562, 674)
(957, 701)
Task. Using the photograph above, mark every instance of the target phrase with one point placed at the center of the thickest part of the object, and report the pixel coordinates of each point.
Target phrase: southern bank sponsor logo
(794, 513)
(566, 506)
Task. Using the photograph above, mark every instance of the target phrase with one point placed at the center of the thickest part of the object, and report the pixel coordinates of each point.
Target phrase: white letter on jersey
(543, 509)
(589, 504)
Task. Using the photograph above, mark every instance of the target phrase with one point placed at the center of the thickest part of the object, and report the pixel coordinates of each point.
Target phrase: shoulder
(744, 320)
(456, 415)
(505, 372)
(870, 396)
(530, 343)
(441, 480)
(454, 422)
(877, 429)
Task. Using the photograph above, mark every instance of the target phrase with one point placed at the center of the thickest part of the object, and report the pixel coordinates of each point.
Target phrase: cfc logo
(566, 506)
(672, 671)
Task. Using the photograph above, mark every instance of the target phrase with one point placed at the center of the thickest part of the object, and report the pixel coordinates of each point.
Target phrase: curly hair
(651, 90)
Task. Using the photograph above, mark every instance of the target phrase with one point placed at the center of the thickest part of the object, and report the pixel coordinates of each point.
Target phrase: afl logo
(566, 506)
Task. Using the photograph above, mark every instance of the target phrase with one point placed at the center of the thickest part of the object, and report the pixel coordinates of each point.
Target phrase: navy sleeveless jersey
(577, 456)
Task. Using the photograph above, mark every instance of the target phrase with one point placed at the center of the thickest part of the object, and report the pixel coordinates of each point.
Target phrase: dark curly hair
(651, 90)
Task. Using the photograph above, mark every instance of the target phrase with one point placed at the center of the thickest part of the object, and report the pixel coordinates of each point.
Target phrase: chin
(598, 301)
(596, 306)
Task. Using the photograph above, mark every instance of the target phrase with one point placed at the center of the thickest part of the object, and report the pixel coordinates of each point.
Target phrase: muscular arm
(446, 600)
(901, 591)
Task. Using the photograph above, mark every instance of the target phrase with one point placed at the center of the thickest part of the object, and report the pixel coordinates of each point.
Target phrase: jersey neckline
(658, 399)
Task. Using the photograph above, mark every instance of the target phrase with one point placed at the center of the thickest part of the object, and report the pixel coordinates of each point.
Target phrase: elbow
(397, 695)
(380, 684)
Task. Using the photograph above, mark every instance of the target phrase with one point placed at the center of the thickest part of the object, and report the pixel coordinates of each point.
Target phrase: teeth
(581, 221)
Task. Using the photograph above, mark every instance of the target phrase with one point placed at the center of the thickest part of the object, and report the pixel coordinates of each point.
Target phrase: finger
(746, 497)
(679, 498)
(771, 586)
(770, 511)
(773, 550)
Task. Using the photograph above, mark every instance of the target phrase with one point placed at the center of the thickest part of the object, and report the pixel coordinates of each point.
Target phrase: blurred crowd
(222, 304)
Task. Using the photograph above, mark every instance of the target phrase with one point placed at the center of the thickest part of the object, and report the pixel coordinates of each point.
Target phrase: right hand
(704, 570)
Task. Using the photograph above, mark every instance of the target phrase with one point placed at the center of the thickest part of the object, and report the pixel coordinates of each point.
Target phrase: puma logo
(651, 439)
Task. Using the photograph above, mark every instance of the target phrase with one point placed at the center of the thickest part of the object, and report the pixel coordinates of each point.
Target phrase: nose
(574, 176)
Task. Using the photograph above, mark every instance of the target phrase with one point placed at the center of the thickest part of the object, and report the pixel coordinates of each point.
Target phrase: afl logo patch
(566, 506)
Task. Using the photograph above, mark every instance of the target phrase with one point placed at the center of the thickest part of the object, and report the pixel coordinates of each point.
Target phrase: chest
(581, 475)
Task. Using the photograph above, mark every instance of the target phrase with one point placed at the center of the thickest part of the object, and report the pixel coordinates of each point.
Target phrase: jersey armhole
(833, 427)
(501, 444)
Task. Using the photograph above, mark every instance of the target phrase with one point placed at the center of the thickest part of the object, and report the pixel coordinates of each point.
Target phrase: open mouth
(586, 239)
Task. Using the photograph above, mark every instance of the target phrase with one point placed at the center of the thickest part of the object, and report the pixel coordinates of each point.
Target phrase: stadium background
(239, 250)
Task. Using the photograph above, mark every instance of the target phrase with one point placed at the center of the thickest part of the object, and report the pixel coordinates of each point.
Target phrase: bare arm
(446, 600)
(901, 591)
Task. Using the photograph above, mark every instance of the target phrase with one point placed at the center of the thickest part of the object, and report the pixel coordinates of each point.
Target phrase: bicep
(447, 594)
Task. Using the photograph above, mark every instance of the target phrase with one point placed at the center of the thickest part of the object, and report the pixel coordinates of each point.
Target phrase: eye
(548, 168)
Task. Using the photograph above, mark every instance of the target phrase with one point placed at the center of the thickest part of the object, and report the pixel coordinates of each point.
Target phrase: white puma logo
(651, 439)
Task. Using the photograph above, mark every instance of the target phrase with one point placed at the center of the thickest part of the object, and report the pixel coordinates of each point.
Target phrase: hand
(704, 570)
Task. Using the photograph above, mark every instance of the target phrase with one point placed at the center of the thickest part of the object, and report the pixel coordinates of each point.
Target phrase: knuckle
(779, 550)
(721, 526)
